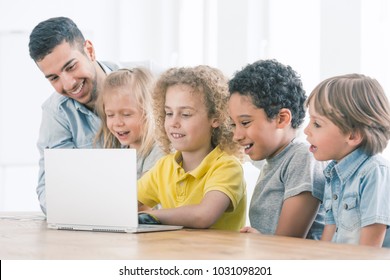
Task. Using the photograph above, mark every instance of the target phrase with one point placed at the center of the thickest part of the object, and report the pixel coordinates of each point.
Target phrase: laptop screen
(91, 188)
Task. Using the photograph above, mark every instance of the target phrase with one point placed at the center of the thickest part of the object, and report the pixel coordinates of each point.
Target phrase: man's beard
(94, 94)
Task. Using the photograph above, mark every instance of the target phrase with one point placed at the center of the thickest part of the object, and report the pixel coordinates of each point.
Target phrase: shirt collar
(281, 154)
(80, 107)
(105, 68)
(347, 166)
(204, 166)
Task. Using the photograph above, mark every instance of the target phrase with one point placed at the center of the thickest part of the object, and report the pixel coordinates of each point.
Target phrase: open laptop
(94, 190)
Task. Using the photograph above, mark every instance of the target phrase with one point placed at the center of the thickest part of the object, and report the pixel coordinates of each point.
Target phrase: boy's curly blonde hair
(213, 86)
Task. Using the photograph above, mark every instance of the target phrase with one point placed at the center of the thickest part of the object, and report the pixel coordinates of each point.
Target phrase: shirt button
(335, 196)
(345, 206)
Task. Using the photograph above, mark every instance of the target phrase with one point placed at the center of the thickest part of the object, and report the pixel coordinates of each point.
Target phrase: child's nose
(306, 130)
(118, 121)
(237, 134)
(174, 121)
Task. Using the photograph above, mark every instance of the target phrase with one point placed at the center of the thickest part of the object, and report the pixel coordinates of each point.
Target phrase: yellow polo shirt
(168, 184)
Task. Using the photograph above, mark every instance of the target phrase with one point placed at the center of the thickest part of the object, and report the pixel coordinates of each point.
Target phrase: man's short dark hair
(52, 32)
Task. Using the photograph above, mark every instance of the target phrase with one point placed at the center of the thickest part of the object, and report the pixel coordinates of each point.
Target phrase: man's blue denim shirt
(65, 124)
(357, 194)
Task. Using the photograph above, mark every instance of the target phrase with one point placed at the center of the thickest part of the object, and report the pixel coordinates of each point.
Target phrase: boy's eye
(245, 123)
(316, 125)
(168, 113)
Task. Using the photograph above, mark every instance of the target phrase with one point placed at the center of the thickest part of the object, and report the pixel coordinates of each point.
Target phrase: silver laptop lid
(91, 189)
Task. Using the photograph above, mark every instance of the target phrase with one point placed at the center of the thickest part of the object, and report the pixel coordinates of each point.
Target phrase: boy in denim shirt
(350, 125)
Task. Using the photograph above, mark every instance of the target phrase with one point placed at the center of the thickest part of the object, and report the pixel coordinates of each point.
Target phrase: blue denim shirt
(357, 194)
(65, 124)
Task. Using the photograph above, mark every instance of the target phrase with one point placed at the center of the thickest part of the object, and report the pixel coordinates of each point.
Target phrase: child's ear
(284, 118)
(355, 138)
(215, 123)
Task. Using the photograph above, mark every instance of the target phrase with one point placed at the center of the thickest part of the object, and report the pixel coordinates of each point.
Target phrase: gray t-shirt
(146, 163)
(289, 173)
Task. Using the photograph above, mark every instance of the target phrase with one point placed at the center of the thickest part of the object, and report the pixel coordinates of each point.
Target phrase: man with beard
(68, 62)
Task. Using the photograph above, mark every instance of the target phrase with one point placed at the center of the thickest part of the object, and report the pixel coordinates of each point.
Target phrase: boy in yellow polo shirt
(201, 184)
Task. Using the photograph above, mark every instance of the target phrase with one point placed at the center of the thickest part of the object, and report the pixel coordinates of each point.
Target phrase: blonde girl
(125, 108)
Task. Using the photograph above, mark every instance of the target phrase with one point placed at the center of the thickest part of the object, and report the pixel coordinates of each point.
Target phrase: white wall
(318, 38)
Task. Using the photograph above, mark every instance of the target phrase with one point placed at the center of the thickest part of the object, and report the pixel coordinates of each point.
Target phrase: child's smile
(313, 148)
(122, 135)
(247, 148)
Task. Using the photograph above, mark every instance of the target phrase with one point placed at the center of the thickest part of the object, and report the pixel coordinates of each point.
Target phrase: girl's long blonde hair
(138, 82)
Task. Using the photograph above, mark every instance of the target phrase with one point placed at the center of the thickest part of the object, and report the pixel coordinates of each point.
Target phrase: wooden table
(27, 237)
